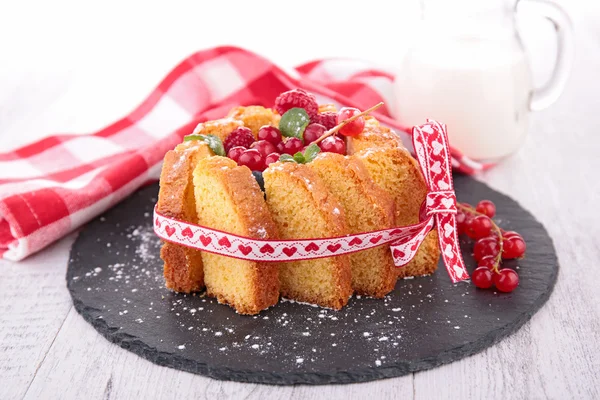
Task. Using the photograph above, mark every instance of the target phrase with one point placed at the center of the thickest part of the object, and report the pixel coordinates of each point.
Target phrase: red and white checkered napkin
(51, 187)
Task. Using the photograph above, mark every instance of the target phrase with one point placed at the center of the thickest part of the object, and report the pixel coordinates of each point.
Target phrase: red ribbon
(431, 146)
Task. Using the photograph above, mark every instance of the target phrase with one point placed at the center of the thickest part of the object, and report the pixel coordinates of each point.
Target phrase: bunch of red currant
(491, 247)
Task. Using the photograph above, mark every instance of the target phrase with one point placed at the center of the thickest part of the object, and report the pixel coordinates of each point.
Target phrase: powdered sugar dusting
(294, 335)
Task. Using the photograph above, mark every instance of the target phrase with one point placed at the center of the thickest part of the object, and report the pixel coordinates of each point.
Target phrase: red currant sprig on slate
(492, 245)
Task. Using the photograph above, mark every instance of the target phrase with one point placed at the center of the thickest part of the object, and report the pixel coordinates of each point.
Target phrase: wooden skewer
(339, 126)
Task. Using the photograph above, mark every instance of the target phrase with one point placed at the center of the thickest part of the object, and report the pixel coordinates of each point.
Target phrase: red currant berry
(264, 148)
(271, 158)
(486, 207)
(333, 144)
(487, 246)
(241, 136)
(313, 132)
(513, 247)
(291, 146)
(488, 262)
(252, 159)
(506, 280)
(461, 218)
(480, 227)
(281, 147)
(353, 128)
(270, 134)
(235, 153)
(509, 234)
(482, 278)
(466, 225)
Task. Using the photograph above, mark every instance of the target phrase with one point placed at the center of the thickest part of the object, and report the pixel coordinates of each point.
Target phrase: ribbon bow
(433, 154)
(431, 146)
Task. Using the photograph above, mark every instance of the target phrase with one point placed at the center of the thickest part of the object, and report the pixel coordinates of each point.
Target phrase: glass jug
(468, 69)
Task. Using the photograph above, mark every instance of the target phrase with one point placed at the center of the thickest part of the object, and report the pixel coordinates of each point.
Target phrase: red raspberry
(297, 98)
(328, 119)
(241, 136)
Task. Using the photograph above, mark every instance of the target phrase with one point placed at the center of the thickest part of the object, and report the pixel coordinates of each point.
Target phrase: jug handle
(549, 93)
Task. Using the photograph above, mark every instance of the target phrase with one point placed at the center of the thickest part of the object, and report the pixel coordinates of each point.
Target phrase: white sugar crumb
(336, 211)
(309, 185)
(284, 300)
(334, 329)
(147, 242)
(261, 232)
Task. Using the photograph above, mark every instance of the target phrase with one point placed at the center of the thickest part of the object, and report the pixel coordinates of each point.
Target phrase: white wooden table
(66, 66)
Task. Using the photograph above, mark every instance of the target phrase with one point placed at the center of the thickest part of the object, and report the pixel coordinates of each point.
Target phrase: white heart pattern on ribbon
(437, 147)
(448, 230)
(448, 203)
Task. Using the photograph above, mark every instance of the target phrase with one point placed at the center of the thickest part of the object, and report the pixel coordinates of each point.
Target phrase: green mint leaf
(192, 137)
(215, 144)
(286, 158)
(299, 158)
(311, 152)
(293, 122)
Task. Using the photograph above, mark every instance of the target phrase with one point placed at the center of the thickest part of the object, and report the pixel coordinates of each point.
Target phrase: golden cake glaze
(254, 117)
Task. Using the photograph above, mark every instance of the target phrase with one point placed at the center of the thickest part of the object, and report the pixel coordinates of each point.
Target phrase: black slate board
(115, 280)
